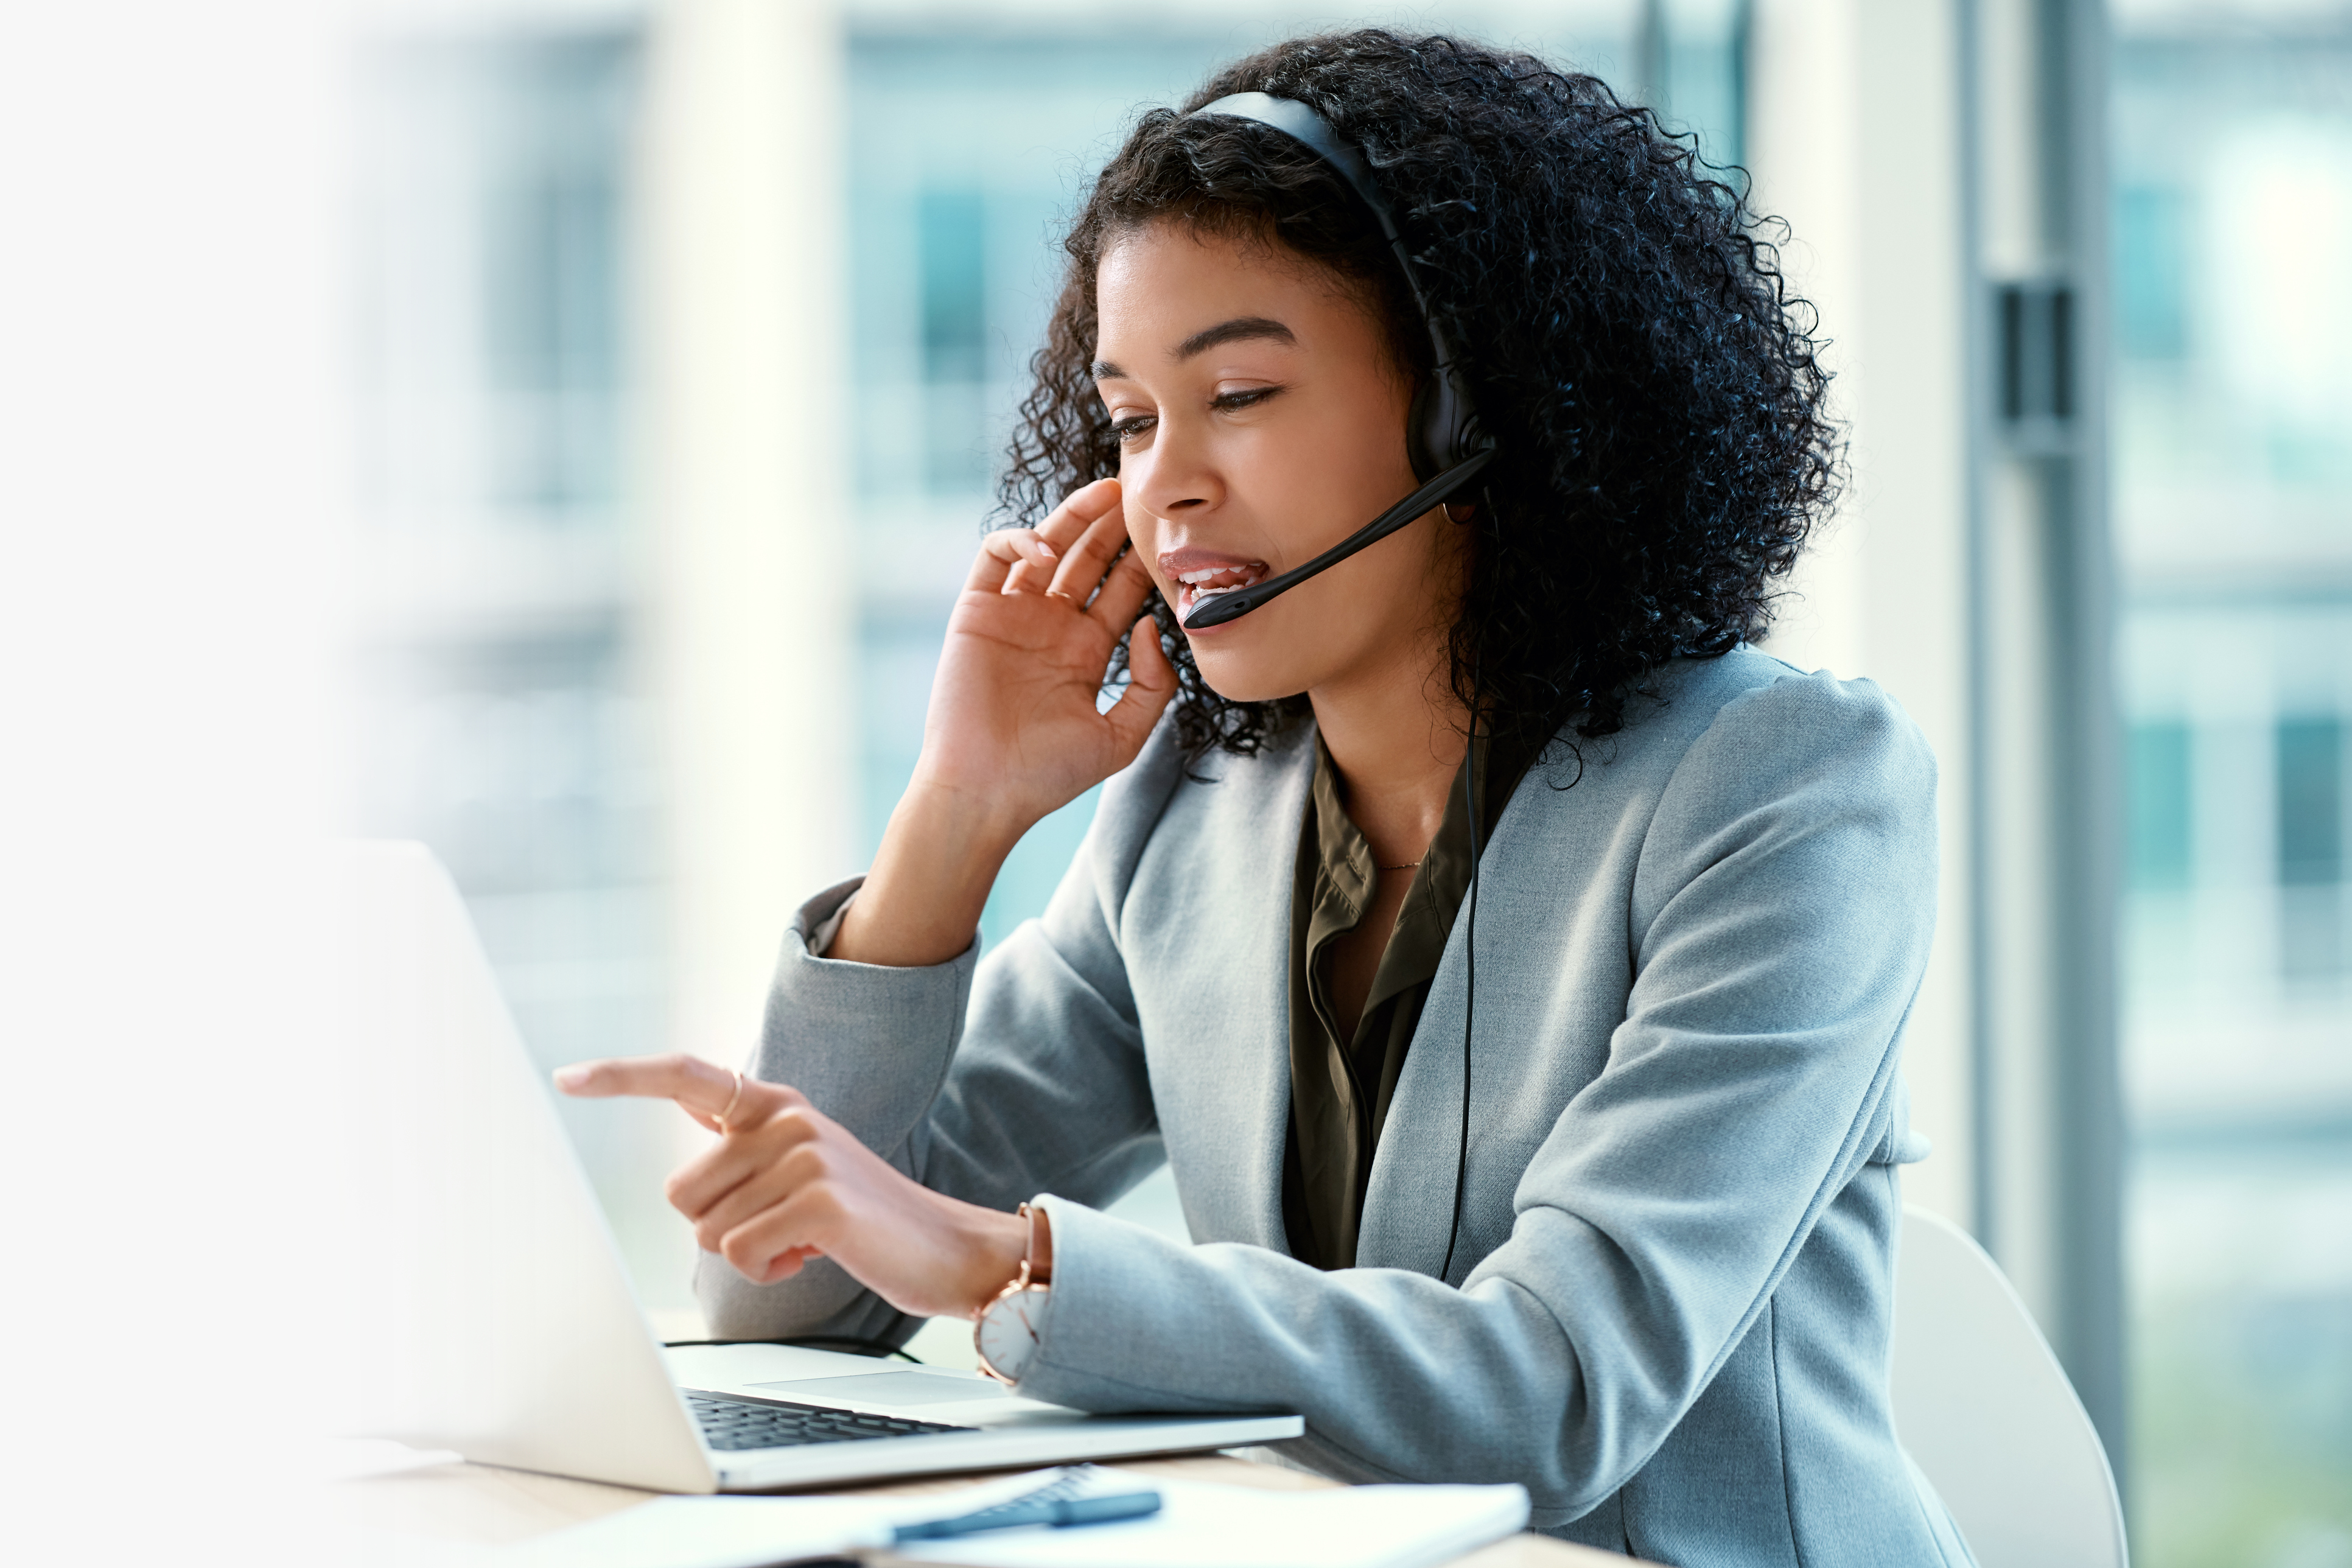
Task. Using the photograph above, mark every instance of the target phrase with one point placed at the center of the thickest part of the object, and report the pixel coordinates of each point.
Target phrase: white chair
(1985, 1410)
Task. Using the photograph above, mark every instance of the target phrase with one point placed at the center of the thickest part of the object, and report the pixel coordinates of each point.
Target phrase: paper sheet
(1249, 1527)
(1199, 1522)
(747, 1531)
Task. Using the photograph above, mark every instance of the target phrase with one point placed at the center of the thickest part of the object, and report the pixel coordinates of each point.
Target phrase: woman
(1648, 1274)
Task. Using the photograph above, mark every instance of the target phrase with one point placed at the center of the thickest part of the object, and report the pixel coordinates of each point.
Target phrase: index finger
(1003, 552)
(1079, 510)
(1088, 559)
(1016, 556)
(692, 1082)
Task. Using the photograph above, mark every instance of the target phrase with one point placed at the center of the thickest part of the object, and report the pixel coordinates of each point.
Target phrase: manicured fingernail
(1047, 550)
(570, 1078)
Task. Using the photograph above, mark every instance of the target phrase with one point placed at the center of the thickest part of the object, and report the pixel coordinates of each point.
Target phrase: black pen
(1059, 1512)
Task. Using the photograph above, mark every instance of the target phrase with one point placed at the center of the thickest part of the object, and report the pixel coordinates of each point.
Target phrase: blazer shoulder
(1723, 735)
(1751, 701)
(1801, 718)
(1801, 746)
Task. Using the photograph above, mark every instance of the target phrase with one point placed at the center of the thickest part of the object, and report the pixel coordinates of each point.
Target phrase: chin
(1240, 677)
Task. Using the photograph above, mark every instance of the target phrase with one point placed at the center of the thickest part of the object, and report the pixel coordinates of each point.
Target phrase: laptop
(485, 1302)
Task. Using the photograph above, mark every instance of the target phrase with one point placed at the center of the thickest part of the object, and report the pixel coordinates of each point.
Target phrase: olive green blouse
(1339, 1092)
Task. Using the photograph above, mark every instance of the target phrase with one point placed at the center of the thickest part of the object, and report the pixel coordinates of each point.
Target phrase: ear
(1460, 511)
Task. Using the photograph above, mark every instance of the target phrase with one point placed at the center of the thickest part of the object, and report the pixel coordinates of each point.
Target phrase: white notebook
(1251, 1527)
(1197, 1522)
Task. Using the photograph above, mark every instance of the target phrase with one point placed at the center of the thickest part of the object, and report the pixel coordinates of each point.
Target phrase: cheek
(1340, 461)
(1142, 535)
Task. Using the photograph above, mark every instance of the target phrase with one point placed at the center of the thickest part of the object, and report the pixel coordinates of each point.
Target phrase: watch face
(1007, 1331)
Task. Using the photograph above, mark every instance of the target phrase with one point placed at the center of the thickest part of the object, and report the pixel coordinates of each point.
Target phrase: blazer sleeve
(990, 1079)
(1782, 906)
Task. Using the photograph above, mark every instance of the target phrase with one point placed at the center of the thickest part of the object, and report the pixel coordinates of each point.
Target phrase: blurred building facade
(693, 335)
(2231, 399)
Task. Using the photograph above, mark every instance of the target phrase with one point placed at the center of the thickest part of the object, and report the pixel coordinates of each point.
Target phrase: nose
(1176, 475)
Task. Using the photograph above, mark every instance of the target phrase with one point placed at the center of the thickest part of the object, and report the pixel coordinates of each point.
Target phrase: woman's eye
(1133, 425)
(1227, 402)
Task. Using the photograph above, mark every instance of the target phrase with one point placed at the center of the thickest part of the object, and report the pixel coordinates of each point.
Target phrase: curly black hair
(1627, 335)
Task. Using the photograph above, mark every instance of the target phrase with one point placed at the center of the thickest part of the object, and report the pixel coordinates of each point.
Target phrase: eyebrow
(1241, 329)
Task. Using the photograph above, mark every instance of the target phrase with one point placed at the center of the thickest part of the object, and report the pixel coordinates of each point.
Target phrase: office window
(1695, 71)
(951, 230)
(551, 212)
(2311, 847)
(951, 249)
(2310, 802)
(2151, 320)
(2159, 805)
(2231, 155)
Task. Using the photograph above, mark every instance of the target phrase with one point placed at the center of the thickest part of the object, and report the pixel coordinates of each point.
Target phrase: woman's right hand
(1012, 713)
(1014, 732)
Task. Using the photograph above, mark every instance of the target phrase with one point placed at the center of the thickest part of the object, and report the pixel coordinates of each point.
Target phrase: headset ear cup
(1421, 425)
(1442, 431)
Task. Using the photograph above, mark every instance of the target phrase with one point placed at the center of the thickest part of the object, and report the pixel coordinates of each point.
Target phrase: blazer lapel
(1408, 1202)
(1214, 999)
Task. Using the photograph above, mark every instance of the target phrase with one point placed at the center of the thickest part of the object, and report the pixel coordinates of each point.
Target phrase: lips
(1201, 576)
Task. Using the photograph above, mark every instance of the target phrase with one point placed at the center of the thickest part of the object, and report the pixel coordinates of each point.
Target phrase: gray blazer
(1668, 1314)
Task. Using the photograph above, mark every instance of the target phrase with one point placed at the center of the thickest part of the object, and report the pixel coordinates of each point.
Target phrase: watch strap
(1036, 1262)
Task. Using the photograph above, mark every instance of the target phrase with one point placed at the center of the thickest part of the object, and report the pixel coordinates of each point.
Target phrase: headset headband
(1443, 430)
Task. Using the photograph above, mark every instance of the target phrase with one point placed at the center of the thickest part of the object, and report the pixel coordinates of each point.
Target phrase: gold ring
(722, 1116)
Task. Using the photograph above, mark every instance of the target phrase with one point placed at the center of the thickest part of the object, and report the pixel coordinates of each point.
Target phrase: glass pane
(1698, 71)
(2232, 220)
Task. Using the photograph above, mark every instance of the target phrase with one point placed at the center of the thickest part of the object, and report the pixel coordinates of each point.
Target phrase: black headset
(1448, 449)
(1442, 433)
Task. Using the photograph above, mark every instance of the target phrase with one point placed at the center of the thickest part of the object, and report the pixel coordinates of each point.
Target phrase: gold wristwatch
(1004, 1331)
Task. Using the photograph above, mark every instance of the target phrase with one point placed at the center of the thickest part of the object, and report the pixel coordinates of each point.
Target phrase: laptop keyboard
(731, 1425)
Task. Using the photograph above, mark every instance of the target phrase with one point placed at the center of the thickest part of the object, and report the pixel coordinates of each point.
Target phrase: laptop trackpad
(890, 1388)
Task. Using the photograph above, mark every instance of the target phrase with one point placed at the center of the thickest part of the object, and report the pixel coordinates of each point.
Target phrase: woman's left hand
(786, 1184)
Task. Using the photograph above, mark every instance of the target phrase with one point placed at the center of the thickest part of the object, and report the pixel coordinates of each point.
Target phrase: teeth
(1199, 593)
